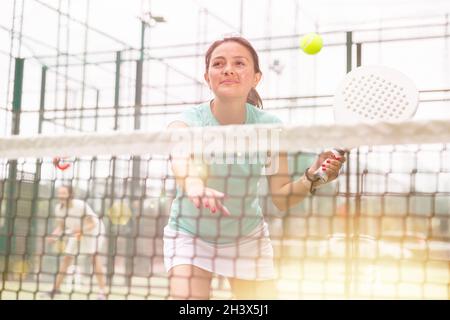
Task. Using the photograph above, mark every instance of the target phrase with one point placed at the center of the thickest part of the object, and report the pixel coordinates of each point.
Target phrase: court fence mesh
(380, 230)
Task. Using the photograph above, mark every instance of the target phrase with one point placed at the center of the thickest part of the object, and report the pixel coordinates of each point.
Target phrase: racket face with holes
(375, 93)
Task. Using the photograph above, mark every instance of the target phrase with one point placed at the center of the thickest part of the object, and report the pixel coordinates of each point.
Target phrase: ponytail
(254, 98)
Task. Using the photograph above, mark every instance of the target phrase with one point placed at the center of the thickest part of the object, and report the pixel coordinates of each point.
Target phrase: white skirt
(251, 258)
(87, 245)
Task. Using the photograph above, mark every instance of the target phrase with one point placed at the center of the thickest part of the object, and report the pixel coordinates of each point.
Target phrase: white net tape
(283, 138)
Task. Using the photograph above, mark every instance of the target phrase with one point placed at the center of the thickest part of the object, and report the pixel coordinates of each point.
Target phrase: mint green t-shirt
(239, 183)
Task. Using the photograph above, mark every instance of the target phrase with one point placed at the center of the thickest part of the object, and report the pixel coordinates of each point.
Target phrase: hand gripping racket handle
(322, 175)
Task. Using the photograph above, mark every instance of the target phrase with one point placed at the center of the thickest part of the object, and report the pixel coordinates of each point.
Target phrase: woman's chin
(230, 95)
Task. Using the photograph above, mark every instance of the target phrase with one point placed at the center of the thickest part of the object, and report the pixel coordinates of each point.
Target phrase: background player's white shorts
(87, 245)
(249, 259)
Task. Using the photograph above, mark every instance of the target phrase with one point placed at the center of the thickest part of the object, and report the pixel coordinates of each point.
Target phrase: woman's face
(231, 72)
(63, 194)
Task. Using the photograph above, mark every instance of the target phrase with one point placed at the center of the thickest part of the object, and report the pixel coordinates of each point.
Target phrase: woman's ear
(258, 77)
(207, 79)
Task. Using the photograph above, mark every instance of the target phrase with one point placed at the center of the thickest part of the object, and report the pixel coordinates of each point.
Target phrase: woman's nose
(228, 69)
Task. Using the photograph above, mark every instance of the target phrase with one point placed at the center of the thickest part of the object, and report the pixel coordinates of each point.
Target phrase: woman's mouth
(228, 82)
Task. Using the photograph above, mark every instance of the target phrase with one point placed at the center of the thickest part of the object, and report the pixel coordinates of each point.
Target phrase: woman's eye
(215, 64)
(240, 63)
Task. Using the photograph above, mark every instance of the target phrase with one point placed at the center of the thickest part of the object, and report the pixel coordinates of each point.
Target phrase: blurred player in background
(84, 231)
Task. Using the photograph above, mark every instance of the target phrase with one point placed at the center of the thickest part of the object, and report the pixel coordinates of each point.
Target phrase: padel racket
(375, 93)
(371, 94)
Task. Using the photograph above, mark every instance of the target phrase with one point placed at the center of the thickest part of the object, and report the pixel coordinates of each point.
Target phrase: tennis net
(381, 230)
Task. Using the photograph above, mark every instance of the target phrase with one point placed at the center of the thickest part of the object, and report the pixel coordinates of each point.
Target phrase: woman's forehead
(231, 49)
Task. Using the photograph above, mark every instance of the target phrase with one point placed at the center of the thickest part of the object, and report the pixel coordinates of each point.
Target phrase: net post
(138, 95)
(37, 177)
(357, 217)
(111, 239)
(42, 97)
(117, 88)
(11, 202)
(358, 54)
(136, 169)
(348, 240)
(349, 45)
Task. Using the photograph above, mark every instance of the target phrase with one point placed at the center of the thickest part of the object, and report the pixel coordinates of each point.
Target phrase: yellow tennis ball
(21, 269)
(60, 246)
(311, 43)
(119, 213)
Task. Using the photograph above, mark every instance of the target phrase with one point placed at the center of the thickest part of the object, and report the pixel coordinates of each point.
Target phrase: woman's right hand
(203, 197)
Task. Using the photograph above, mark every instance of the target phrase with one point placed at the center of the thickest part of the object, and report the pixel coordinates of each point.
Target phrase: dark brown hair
(70, 190)
(253, 96)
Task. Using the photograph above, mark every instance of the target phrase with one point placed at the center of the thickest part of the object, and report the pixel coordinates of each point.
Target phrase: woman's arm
(287, 193)
(57, 231)
(188, 179)
(89, 223)
(185, 174)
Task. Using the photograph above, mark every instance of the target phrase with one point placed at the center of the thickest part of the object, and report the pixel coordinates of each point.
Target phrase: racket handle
(322, 175)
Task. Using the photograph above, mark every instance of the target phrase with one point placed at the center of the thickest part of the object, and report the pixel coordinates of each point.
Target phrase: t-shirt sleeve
(190, 116)
(87, 210)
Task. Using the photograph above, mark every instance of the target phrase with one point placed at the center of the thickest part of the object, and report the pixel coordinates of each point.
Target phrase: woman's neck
(229, 111)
